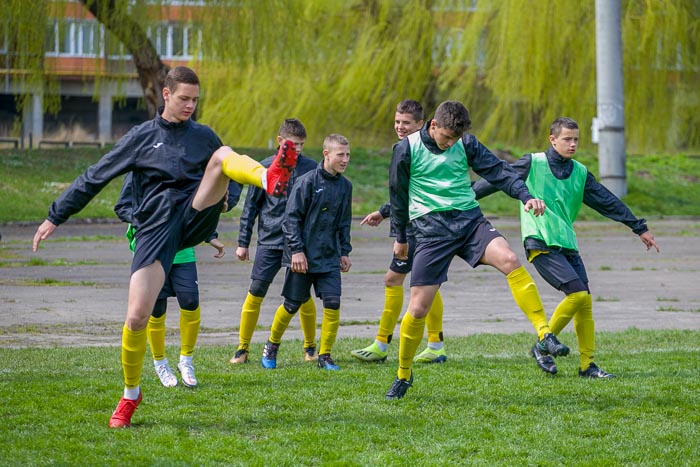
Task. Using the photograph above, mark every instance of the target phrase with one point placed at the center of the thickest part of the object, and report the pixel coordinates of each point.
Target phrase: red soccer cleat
(121, 418)
(281, 169)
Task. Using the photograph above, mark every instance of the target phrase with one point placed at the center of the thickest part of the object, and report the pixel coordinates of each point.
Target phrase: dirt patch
(73, 291)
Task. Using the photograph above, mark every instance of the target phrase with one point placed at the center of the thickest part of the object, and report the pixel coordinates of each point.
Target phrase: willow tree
(532, 68)
(25, 29)
(339, 66)
(342, 65)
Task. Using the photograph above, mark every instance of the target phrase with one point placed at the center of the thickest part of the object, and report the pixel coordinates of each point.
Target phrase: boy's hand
(299, 263)
(648, 240)
(373, 219)
(536, 205)
(242, 253)
(42, 233)
(345, 264)
(400, 250)
(216, 243)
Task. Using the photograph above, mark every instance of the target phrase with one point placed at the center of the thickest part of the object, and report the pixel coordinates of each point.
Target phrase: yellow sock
(393, 302)
(133, 351)
(566, 310)
(249, 319)
(243, 169)
(411, 336)
(280, 324)
(156, 336)
(329, 330)
(190, 320)
(528, 299)
(433, 322)
(585, 332)
(307, 320)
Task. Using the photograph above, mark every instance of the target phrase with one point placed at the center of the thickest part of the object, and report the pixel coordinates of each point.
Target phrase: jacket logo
(157, 145)
(319, 190)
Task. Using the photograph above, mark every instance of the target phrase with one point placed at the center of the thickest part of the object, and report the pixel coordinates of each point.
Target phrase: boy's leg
(393, 303)
(435, 351)
(250, 312)
(156, 339)
(499, 255)
(190, 322)
(144, 286)
(307, 321)
(328, 287)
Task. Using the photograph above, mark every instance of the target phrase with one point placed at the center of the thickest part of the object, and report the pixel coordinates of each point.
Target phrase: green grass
(488, 405)
(658, 185)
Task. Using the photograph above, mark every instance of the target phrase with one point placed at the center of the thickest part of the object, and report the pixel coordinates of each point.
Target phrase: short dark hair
(562, 122)
(453, 115)
(180, 74)
(292, 127)
(409, 106)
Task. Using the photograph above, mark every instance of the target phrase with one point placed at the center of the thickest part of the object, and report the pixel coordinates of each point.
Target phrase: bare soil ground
(73, 291)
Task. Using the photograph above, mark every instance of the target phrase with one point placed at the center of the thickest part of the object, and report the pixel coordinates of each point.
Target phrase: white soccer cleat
(186, 370)
(166, 375)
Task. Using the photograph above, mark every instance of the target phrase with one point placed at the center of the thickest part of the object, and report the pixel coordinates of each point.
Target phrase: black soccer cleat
(594, 372)
(398, 388)
(545, 362)
(550, 345)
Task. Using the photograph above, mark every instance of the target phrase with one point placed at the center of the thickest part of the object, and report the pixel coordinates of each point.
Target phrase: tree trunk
(151, 70)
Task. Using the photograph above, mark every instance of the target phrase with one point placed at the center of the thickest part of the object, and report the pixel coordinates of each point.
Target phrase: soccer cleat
(121, 417)
(398, 388)
(594, 372)
(550, 345)
(325, 362)
(310, 354)
(370, 353)
(269, 355)
(545, 362)
(241, 356)
(186, 370)
(431, 356)
(166, 375)
(281, 169)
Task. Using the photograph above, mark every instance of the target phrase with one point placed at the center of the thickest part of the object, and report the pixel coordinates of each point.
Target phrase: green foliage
(489, 405)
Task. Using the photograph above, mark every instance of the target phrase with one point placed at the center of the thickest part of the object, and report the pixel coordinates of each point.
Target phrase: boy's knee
(258, 288)
(393, 279)
(331, 303)
(292, 306)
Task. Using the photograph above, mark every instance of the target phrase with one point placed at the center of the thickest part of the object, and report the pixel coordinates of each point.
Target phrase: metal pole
(610, 122)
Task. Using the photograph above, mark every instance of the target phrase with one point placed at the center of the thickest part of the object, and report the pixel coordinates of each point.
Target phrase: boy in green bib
(550, 240)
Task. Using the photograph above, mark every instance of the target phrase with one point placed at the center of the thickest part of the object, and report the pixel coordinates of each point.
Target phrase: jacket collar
(170, 125)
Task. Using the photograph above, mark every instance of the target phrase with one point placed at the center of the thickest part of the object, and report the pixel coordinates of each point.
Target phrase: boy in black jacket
(181, 173)
(317, 244)
(269, 212)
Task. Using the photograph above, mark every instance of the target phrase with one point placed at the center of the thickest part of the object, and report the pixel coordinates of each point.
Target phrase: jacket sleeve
(295, 214)
(497, 172)
(124, 207)
(251, 210)
(116, 162)
(482, 188)
(599, 198)
(345, 224)
(385, 210)
(234, 194)
(399, 177)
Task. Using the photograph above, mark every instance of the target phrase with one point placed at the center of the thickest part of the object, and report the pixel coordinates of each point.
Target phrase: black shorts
(559, 268)
(432, 258)
(182, 279)
(267, 264)
(297, 286)
(185, 228)
(403, 266)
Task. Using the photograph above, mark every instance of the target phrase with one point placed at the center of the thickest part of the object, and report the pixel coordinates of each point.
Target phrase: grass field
(659, 185)
(488, 405)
